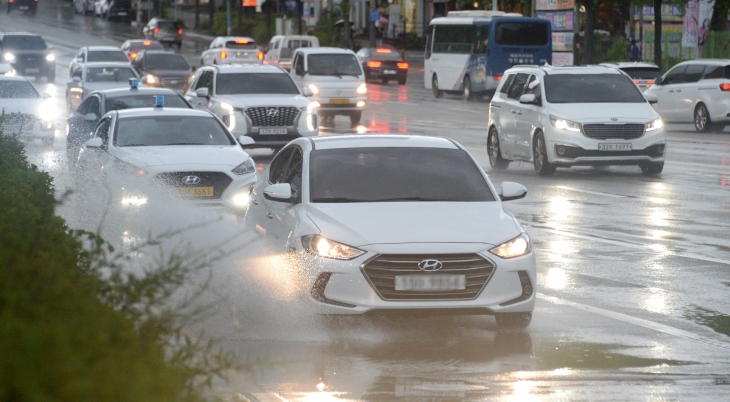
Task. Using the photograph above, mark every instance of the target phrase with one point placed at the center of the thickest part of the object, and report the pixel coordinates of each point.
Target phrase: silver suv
(261, 102)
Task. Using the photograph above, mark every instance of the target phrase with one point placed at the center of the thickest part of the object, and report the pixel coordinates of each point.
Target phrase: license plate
(196, 191)
(270, 131)
(23, 8)
(615, 147)
(430, 283)
(32, 70)
(389, 72)
(122, 13)
(339, 101)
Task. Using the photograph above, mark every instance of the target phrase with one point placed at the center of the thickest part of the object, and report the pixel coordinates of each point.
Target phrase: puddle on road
(563, 355)
(715, 320)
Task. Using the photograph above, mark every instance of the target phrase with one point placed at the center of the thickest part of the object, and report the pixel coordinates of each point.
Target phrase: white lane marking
(466, 110)
(637, 321)
(398, 102)
(635, 246)
(592, 192)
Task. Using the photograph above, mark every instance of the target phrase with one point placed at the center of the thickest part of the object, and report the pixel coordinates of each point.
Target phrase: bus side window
(429, 40)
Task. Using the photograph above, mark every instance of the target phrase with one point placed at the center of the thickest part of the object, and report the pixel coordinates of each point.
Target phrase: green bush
(73, 326)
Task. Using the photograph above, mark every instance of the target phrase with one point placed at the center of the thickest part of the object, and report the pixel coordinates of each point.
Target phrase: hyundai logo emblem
(430, 265)
(191, 180)
(614, 119)
(273, 112)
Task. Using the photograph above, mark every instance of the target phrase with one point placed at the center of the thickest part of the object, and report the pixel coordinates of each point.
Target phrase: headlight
(134, 201)
(241, 200)
(312, 106)
(654, 125)
(516, 247)
(246, 167)
(562, 124)
(362, 89)
(10, 73)
(318, 245)
(151, 79)
(9, 57)
(314, 89)
(47, 112)
(227, 106)
(311, 121)
(51, 57)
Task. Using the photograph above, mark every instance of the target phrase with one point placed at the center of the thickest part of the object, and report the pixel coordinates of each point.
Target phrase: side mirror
(306, 91)
(194, 68)
(202, 92)
(528, 99)
(45, 95)
(91, 117)
(512, 191)
(94, 143)
(300, 70)
(658, 81)
(246, 140)
(278, 192)
(651, 98)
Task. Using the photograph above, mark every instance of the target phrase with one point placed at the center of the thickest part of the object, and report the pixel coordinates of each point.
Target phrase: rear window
(642, 73)
(521, 34)
(25, 42)
(107, 55)
(165, 61)
(168, 25)
(17, 90)
(241, 44)
(143, 101)
(385, 54)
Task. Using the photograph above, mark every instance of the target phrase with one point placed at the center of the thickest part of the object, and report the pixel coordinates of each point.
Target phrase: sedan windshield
(24, 42)
(170, 130)
(333, 64)
(591, 88)
(395, 174)
(107, 55)
(255, 83)
(109, 74)
(17, 89)
(163, 61)
(142, 101)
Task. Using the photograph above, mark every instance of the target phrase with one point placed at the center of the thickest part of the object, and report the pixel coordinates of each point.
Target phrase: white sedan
(141, 156)
(385, 224)
(27, 113)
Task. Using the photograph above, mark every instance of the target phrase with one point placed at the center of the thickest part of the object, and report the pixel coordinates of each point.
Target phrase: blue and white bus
(468, 51)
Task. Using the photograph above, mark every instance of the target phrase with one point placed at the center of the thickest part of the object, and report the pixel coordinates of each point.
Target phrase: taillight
(224, 54)
(157, 30)
(497, 78)
(402, 65)
(725, 87)
(649, 82)
(637, 82)
(260, 55)
(10, 1)
(133, 55)
(179, 31)
(375, 64)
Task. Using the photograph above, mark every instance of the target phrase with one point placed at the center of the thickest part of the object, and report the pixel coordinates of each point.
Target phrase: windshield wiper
(134, 145)
(185, 143)
(411, 199)
(337, 199)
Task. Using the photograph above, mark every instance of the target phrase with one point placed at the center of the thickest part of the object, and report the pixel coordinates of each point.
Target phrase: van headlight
(246, 167)
(313, 88)
(516, 247)
(51, 57)
(323, 247)
(562, 124)
(654, 125)
(9, 57)
(362, 89)
(151, 79)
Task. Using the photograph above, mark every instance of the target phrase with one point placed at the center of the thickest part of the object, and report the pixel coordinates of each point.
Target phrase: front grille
(382, 270)
(218, 180)
(275, 116)
(613, 131)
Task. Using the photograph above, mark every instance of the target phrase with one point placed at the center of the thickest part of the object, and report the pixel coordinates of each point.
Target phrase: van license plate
(22, 7)
(339, 101)
(122, 14)
(32, 70)
(389, 72)
(615, 147)
(426, 283)
(269, 131)
(196, 191)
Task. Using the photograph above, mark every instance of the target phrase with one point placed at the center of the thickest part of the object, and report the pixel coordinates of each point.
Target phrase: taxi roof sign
(159, 100)
(133, 83)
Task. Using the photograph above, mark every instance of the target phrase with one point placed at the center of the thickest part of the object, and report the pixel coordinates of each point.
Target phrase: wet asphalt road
(633, 274)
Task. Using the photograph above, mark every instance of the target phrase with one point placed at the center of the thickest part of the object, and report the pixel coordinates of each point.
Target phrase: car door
(527, 118)
(285, 217)
(205, 80)
(687, 93)
(210, 54)
(82, 122)
(92, 160)
(297, 64)
(667, 93)
(260, 215)
(509, 114)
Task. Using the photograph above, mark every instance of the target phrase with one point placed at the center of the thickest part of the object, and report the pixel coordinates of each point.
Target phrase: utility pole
(371, 23)
(495, 5)
(228, 17)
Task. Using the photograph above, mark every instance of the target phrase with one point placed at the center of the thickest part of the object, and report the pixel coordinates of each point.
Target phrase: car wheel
(513, 320)
(495, 153)
(401, 81)
(355, 118)
(437, 93)
(468, 95)
(702, 119)
(540, 158)
(651, 168)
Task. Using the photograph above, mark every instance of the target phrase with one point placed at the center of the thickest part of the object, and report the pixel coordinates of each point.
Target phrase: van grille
(282, 116)
(613, 131)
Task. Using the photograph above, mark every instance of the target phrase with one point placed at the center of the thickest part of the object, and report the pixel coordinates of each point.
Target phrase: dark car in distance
(28, 54)
(164, 31)
(163, 70)
(28, 6)
(120, 10)
(133, 47)
(384, 64)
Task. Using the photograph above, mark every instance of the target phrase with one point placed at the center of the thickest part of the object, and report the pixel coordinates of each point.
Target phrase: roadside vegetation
(81, 321)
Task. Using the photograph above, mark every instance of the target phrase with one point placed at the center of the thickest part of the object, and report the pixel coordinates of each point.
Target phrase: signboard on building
(553, 5)
(563, 41)
(562, 59)
(560, 20)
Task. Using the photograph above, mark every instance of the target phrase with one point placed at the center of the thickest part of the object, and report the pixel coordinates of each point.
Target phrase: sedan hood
(187, 155)
(244, 101)
(362, 224)
(604, 112)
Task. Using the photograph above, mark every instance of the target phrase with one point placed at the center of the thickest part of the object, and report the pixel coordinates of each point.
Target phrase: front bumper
(327, 105)
(341, 287)
(239, 124)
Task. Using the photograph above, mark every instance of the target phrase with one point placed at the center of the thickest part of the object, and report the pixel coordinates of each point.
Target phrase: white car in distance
(232, 50)
(572, 116)
(90, 77)
(261, 102)
(644, 74)
(377, 230)
(27, 113)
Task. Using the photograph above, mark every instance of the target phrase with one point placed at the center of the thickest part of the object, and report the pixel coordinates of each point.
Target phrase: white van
(335, 78)
(281, 48)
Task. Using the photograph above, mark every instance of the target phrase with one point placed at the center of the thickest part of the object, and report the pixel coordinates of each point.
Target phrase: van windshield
(333, 64)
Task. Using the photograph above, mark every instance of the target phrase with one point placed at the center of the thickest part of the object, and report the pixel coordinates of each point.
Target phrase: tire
(494, 151)
(355, 118)
(401, 81)
(468, 95)
(702, 120)
(437, 93)
(651, 168)
(540, 158)
(384, 81)
(513, 320)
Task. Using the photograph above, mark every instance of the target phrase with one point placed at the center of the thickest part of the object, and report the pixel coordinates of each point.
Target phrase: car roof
(113, 92)
(13, 78)
(385, 141)
(161, 111)
(718, 62)
(248, 68)
(551, 70)
(104, 48)
(106, 64)
(18, 34)
(324, 50)
(628, 64)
